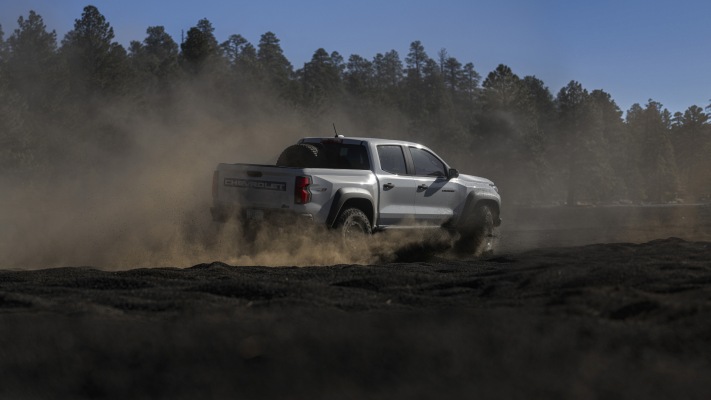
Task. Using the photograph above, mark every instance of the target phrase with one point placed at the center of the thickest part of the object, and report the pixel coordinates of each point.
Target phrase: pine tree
(581, 145)
(2, 45)
(241, 56)
(502, 89)
(97, 63)
(15, 145)
(692, 142)
(32, 65)
(416, 62)
(587, 122)
(321, 79)
(275, 66)
(503, 129)
(388, 71)
(155, 61)
(359, 76)
(618, 146)
(199, 50)
(650, 129)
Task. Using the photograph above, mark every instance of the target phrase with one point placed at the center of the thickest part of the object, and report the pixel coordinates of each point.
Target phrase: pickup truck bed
(262, 190)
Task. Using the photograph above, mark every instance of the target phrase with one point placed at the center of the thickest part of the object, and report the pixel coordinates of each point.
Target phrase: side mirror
(452, 173)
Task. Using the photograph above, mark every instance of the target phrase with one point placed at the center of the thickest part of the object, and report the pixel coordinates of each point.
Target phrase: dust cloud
(138, 207)
(142, 198)
(145, 202)
(306, 244)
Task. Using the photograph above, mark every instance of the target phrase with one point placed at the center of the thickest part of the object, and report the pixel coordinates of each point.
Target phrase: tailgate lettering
(253, 184)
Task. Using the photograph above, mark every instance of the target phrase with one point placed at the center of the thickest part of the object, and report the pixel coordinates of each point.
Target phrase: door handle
(422, 187)
(388, 186)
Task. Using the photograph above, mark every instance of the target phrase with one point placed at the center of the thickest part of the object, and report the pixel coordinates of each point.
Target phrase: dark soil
(599, 321)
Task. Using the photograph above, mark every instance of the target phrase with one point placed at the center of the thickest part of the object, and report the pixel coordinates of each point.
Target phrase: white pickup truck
(362, 185)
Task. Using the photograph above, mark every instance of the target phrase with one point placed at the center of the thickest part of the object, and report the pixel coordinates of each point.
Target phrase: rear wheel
(354, 228)
(477, 234)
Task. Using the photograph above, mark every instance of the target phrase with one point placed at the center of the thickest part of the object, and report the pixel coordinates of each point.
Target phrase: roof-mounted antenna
(335, 131)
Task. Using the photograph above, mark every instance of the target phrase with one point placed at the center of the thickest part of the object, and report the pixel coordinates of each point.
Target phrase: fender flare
(472, 201)
(342, 196)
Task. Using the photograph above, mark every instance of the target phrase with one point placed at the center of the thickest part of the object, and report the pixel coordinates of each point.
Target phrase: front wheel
(477, 234)
(354, 228)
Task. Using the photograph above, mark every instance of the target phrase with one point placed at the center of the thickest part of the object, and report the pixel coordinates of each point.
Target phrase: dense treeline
(572, 147)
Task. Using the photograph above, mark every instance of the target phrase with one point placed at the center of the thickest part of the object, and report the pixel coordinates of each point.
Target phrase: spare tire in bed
(300, 155)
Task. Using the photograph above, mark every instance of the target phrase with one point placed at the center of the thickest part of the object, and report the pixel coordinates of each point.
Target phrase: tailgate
(256, 186)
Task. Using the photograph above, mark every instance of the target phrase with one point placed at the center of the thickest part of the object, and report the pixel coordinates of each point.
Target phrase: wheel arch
(473, 202)
(351, 198)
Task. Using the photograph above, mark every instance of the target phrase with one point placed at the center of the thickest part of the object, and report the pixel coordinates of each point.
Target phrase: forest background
(71, 110)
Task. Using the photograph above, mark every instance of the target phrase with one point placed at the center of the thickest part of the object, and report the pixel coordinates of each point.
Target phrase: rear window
(345, 156)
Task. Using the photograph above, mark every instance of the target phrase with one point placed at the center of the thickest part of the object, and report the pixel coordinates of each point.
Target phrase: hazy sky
(633, 49)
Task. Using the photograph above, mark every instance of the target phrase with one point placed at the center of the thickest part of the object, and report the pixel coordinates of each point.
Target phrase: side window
(426, 163)
(392, 159)
(354, 157)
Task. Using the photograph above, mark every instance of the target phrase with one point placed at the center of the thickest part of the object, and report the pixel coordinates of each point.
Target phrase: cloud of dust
(299, 243)
(148, 205)
(138, 208)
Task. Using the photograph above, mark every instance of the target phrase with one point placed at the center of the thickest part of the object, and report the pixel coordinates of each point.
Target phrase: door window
(392, 159)
(426, 163)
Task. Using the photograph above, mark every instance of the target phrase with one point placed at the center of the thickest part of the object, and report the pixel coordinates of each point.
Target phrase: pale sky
(633, 49)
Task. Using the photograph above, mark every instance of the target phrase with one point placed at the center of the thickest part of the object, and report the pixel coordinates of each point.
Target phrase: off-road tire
(354, 228)
(477, 234)
(300, 156)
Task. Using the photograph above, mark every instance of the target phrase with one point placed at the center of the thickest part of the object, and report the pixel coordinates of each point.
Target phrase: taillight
(215, 177)
(302, 194)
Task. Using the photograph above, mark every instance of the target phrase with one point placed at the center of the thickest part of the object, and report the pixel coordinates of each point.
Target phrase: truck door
(435, 195)
(397, 189)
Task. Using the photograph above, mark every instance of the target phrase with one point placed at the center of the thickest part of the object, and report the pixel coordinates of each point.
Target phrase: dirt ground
(601, 321)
